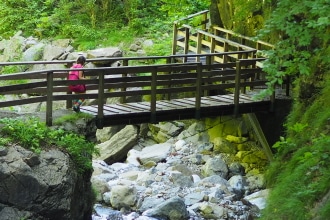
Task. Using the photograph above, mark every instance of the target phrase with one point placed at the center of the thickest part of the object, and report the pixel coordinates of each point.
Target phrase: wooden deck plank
(141, 105)
(188, 103)
(109, 108)
(122, 108)
(211, 102)
(132, 107)
(244, 96)
(184, 102)
(177, 109)
(224, 99)
(173, 104)
(163, 106)
(89, 109)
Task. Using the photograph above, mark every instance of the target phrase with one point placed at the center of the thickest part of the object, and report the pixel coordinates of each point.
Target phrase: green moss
(215, 132)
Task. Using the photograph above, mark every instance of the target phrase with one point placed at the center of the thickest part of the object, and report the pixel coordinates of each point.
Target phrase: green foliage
(160, 48)
(301, 171)
(72, 118)
(177, 9)
(303, 45)
(91, 20)
(30, 137)
(37, 137)
(248, 16)
(4, 141)
(302, 180)
(9, 70)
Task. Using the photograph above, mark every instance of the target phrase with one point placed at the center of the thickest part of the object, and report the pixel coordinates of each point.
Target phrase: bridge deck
(176, 109)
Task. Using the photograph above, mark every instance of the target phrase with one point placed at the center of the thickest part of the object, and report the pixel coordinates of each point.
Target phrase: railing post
(237, 88)
(175, 38)
(168, 61)
(186, 44)
(69, 101)
(49, 104)
(123, 89)
(212, 49)
(198, 95)
(100, 101)
(225, 49)
(123, 99)
(153, 95)
(204, 20)
(199, 45)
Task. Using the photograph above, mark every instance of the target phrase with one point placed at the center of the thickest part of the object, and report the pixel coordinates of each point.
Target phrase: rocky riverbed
(200, 172)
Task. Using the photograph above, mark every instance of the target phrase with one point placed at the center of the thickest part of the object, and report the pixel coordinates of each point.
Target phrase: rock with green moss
(221, 145)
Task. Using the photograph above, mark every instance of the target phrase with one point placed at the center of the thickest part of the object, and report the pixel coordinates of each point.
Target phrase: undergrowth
(37, 137)
(72, 118)
(300, 174)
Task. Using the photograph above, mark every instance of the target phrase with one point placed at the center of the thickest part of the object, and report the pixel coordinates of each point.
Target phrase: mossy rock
(221, 145)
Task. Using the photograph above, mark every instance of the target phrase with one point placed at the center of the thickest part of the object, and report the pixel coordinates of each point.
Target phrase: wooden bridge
(212, 76)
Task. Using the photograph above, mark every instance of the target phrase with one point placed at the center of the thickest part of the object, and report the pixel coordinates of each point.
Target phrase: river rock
(42, 186)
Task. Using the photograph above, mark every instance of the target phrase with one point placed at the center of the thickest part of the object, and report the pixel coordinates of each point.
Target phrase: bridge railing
(259, 45)
(148, 83)
(200, 37)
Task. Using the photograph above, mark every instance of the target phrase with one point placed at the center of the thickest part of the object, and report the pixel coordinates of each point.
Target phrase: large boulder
(172, 209)
(42, 186)
(106, 52)
(116, 149)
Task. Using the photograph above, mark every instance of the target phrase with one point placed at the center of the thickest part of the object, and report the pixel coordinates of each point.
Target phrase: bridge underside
(177, 109)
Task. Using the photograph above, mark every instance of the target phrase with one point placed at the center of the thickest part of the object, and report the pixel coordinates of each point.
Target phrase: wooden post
(100, 101)
(225, 49)
(49, 103)
(212, 49)
(175, 38)
(204, 21)
(258, 48)
(198, 95)
(237, 88)
(69, 101)
(153, 95)
(199, 45)
(168, 95)
(123, 89)
(186, 44)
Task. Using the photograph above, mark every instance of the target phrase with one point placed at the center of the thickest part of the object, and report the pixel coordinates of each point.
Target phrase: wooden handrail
(175, 70)
(157, 81)
(230, 34)
(192, 16)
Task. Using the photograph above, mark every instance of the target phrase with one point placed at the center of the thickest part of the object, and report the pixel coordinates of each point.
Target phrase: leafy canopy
(302, 48)
(91, 20)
